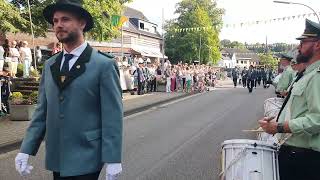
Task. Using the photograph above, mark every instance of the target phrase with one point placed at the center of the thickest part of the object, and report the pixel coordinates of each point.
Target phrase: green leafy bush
(20, 70)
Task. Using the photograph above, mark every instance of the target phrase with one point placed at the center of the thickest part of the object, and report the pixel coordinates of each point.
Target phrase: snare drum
(244, 159)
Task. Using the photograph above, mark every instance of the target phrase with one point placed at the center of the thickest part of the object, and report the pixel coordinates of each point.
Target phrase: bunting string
(249, 23)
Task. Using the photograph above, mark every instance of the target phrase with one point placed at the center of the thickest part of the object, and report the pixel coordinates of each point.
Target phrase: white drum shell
(258, 160)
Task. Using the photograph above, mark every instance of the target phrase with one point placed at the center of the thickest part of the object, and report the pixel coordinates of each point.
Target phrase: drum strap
(299, 76)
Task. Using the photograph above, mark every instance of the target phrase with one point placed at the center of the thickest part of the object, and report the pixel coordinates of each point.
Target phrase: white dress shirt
(112, 168)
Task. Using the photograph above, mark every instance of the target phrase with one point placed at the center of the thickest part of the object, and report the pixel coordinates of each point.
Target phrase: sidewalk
(12, 132)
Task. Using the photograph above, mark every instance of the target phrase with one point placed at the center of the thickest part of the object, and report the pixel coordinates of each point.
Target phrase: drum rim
(247, 141)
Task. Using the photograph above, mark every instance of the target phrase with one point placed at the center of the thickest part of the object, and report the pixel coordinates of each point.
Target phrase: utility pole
(163, 45)
(200, 50)
(32, 34)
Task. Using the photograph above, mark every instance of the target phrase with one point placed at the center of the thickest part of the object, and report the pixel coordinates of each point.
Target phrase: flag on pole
(118, 21)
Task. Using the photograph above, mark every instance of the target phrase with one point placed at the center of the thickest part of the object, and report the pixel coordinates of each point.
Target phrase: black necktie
(65, 66)
(299, 76)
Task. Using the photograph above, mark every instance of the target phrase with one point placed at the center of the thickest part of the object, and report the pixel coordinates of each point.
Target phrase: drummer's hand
(284, 93)
(269, 127)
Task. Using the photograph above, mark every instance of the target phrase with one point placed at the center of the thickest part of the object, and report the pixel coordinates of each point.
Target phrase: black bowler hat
(74, 6)
(312, 30)
(286, 57)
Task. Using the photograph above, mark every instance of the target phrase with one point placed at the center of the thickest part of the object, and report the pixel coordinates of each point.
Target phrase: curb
(14, 145)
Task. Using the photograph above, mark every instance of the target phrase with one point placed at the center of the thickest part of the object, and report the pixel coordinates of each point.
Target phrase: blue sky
(240, 11)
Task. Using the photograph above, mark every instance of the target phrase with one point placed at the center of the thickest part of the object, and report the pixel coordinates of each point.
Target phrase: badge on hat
(78, 67)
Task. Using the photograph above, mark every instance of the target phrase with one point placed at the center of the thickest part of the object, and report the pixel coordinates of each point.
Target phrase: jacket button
(61, 116)
(61, 98)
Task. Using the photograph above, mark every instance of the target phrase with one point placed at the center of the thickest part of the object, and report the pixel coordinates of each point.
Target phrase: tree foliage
(185, 46)
(268, 60)
(101, 10)
(10, 18)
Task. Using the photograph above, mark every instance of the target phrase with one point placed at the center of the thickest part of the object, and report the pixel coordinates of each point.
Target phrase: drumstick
(268, 119)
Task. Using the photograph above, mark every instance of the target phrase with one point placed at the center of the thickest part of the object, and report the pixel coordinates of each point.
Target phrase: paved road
(177, 141)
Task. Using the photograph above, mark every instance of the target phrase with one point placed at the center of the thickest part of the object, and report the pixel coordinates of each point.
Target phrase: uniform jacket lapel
(77, 69)
(55, 70)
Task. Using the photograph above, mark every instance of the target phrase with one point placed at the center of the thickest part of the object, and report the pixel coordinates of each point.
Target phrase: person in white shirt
(15, 55)
(26, 58)
(1, 58)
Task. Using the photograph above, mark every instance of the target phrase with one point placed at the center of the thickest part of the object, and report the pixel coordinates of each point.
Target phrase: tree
(225, 43)
(185, 46)
(268, 60)
(101, 10)
(10, 18)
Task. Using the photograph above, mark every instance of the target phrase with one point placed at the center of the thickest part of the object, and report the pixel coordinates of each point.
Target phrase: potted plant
(22, 106)
(34, 73)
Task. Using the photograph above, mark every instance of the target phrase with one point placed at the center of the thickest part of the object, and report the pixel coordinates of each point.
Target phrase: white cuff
(114, 168)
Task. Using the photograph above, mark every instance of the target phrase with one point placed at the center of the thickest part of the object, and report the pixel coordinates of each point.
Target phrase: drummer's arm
(286, 127)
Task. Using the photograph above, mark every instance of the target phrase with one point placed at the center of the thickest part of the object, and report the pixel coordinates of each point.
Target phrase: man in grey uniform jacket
(79, 111)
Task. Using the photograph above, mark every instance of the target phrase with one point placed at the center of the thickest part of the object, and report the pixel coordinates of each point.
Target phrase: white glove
(113, 171)
(22, 165)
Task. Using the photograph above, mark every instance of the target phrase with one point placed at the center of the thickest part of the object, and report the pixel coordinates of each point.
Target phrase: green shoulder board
(107, 54)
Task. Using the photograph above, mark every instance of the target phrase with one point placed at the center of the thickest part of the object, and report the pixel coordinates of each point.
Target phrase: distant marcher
(250, 78)
(235, 75)
(244, 77)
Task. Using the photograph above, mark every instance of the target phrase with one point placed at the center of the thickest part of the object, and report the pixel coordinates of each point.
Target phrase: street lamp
(286, 2)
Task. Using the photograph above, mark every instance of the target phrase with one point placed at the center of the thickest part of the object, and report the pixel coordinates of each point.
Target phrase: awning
(149, 53)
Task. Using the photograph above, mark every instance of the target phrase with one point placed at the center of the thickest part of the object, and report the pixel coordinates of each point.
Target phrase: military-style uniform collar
(77, 51)
(312, 67)
(77, 69)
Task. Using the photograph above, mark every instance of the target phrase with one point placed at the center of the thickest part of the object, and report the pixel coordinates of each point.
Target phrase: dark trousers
(244, 82)
(140, 87)
(5, 101)
(259, 81)
(250, 84)
(264, 81)
(235, 81)
(298, 163)
(92, 176)
(153, 85)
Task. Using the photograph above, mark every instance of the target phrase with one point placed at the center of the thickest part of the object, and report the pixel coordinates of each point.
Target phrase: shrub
(20, 70)
(16, 98)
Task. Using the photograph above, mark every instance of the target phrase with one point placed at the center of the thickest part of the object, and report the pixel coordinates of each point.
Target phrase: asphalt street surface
(176, 141)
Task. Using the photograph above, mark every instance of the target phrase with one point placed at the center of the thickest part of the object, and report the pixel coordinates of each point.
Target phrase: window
(237, 61)
(155, 29)
(141, 26)
(241, 62)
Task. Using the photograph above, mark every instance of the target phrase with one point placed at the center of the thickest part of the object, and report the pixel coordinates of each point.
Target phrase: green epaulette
(107, 54)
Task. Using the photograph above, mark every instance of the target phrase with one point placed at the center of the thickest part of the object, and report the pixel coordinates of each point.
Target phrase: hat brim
(49, 11)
